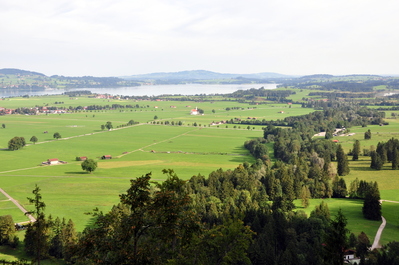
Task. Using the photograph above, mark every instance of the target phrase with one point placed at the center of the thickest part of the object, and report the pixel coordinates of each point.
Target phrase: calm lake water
(155, 90)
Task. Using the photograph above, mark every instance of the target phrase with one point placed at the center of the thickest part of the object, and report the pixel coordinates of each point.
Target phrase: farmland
(136, 150)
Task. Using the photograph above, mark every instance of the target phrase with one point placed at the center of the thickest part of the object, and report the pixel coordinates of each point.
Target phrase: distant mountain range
(202, 75)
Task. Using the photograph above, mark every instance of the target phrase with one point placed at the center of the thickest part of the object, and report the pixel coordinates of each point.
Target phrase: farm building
(52, 161)
(82, 158)
(106, 157)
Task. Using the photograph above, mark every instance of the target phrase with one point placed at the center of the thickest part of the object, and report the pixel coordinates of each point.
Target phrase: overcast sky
(126, 37)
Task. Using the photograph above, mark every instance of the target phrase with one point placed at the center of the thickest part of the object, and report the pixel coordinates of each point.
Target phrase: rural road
(376, 243)
(31, 218)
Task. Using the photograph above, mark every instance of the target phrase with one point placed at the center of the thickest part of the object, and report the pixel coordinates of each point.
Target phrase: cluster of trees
(385, 152)
(337, 116)
(226, 218)
(48, 237)
(258, 149)
(369, 192)
(108, 125)
(269, 94)
(336, 95)
(331, 84)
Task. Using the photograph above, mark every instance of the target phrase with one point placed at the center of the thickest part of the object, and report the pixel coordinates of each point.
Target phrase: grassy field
(352, 210)
(69, 192)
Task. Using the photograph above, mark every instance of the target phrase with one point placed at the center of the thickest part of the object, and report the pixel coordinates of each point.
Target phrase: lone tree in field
(16, 143)
(367, 135)
(102, 127)
(108, 125)
(33, 139)
(57, 135)
(3, 126)
(343, 164)
(89, 165)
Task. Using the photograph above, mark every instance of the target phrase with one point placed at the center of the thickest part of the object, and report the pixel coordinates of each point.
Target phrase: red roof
(53, 159)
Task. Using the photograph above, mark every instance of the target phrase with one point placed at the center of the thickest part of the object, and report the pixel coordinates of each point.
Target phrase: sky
(128, 37)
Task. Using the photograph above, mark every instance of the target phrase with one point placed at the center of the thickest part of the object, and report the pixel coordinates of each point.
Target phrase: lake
(150, 90)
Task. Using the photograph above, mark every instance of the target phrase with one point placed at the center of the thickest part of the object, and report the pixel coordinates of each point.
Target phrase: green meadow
(70, 192)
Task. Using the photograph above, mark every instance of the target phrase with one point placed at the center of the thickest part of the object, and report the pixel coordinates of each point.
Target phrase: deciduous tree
(33, 139)
(7, 229)
(108, 125)
(89, 165)
(16, 143)
(57, 135)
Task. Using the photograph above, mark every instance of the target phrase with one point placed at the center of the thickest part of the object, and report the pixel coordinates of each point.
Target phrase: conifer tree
(343, 164)
(356, 150)
(376, 161)
(371, 205)
(36, 236)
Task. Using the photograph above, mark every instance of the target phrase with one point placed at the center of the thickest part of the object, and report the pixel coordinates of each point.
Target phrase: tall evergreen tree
(343, 164)
(356, 150)
(371, 205)
(337, 239)
(376, 160)
(382, 151)
(339, 188)
(36, 236)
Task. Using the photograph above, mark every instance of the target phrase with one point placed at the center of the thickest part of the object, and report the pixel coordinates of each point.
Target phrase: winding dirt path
(376, 243)
(31, 218)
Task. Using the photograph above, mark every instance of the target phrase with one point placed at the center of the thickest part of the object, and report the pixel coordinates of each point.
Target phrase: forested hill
(12, 71)
(21, 79)
(203, 75)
